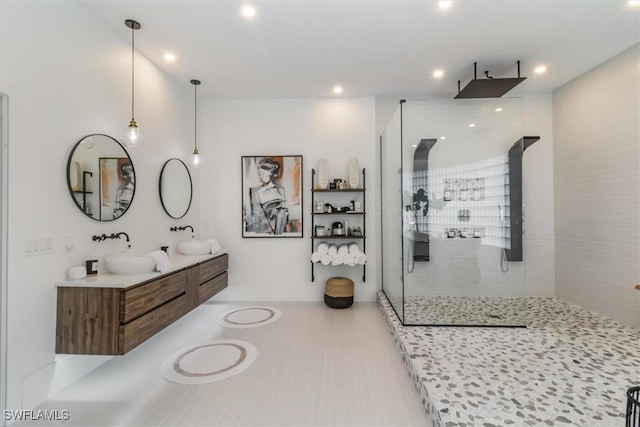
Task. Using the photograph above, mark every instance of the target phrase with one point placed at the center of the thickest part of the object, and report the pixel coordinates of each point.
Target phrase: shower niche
(460, 231)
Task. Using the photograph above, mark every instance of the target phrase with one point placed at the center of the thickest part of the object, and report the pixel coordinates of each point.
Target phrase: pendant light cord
(195, 84)
(133, 65)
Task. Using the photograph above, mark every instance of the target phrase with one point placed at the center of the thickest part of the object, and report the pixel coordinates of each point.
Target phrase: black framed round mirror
(100, 177)
(176, 188)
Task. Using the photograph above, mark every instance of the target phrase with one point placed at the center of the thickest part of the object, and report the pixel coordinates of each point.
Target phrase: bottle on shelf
(464, 193)
(447, 191)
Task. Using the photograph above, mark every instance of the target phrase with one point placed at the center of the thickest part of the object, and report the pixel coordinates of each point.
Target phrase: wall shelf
(359, 218)
(338, 237)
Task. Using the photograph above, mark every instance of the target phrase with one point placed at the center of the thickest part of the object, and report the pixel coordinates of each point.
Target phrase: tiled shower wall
(597, 193)
(473, 201)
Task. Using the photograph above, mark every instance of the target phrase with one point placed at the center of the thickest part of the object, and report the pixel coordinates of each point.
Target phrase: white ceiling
(387, 49)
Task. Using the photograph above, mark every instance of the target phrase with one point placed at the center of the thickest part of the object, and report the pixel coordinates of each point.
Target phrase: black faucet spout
(103, 237)
(121, 233)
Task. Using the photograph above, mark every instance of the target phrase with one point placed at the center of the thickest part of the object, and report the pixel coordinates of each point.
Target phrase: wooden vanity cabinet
(212, 278)
(112, 321)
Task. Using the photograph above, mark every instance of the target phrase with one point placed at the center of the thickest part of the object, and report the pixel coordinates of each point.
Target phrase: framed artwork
(271, 196)
(116, 186)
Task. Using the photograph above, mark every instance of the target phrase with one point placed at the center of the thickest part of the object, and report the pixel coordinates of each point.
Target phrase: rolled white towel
(323, 248)
(215, 245)
(325, 259)
(337, 259)
(163, 263)
(350, 260)
(354, 248)
(361, 259)
(315, 257)
(333, 249)
(343, 249)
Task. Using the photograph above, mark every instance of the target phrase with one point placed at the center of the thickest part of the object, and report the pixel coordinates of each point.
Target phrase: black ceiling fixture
(489, 87)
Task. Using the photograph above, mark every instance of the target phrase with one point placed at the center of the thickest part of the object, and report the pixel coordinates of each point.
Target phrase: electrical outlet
(39, 245)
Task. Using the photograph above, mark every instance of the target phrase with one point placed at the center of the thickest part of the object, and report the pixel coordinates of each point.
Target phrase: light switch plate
(39, 245)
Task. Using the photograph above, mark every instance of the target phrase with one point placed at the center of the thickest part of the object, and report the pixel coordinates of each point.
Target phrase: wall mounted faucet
(183, 228)
(103, 237)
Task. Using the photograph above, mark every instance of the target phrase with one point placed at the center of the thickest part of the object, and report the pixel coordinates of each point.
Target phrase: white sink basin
(129, 263)
(194, 247)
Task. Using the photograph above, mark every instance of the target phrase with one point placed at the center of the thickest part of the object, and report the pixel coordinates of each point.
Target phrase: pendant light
(195, 159)
(133, 136)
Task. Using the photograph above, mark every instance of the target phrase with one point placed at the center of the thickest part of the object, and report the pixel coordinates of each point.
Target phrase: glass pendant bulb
(133, 136)
(195, 158)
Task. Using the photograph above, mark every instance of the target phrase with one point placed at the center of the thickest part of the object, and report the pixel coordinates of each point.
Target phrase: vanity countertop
(108, 280)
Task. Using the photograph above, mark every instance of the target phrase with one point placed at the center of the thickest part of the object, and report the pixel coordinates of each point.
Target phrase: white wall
(336, 129)
(67, 76)
(597, 194)
(278, 269)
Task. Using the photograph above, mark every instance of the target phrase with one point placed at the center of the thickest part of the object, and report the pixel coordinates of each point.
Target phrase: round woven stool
(338, 292)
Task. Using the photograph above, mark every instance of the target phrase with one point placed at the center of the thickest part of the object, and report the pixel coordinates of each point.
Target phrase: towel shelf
(112, 321)
(355, 213)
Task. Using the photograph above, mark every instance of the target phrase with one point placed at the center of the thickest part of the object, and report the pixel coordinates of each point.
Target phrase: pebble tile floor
(460, 311)
(568, 367)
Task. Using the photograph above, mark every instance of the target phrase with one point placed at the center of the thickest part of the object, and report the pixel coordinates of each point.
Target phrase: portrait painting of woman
(272, 196)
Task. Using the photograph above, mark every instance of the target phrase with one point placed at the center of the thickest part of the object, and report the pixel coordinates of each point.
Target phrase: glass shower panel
(391, 211)
(456, 224)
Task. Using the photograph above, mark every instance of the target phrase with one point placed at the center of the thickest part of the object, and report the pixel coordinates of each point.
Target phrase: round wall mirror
(101, 177)
(176, 189)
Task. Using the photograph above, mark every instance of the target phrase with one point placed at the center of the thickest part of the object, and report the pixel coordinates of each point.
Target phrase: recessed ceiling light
(540, 69)
(249, 12)
(472, 125)
(438, 74)
(414, 145)
(498, 109)
(337, 89)
(169, 57)
(443, 137)
(445, 4)
(633, 2)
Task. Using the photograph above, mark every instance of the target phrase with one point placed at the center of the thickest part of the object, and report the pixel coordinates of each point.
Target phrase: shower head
(490, 87)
